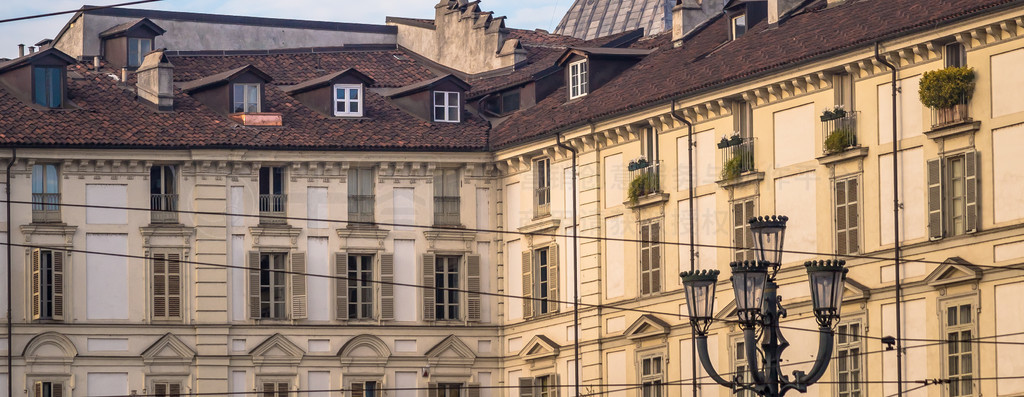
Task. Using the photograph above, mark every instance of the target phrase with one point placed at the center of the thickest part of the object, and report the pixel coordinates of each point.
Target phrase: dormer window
(446, 106)
(738, 25)
(348, 100)
(137, 50)
(578, 79)
(47, 86)
(246, 98)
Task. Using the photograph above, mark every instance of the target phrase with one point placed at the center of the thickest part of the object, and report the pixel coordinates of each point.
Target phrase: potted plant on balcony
(638, 164)
(838, 140)
(947, 91)
(835, 113)
(724, 143)
(642, 185)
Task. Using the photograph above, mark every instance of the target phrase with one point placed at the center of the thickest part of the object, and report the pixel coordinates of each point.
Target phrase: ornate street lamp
(759, 309)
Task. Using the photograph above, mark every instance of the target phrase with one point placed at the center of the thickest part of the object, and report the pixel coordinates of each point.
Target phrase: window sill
(853, 153)
(547, 223)
(648, 200)
(750, 176)
(952, 130)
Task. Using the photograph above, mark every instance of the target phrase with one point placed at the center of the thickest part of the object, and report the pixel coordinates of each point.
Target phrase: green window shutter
(341, 286)
(254, 285)
(387, 287)
(971, 186)
(528, 284)
(473, 284)
(935, 228)
(427, 270)
(298, 277)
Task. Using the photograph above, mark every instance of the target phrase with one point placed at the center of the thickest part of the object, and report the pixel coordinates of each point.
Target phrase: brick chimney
(156, 80)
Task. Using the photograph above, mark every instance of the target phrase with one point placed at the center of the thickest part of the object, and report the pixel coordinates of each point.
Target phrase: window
(348, 100)
(446, 283)
(447, 204)
(652, 376)
(847, 216)
(741, 119)
(360, 287)
(954, 55)
(47, 284)
(848, 358)
(449, 389)
(48, 86)
(740, 366)
(959, 327)
(360, 196)
(742, 239)
(504, 103)
(167, 389)
(953, 195)
(246, 98)
(273, 286)
(738, 25)
(163, 193)
(446, 106)
(541, 386)
(842, 85)
(166, 286)
(578, 79)
(137, 50)
(272, 197)
(45, 193)
(542, 192)
(275, 389)
(542, 283)
(48, 389)
(650, 257)
(364, 389)
(649, 147)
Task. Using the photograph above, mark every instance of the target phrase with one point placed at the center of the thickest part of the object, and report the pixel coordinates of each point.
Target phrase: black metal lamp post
(759, 309)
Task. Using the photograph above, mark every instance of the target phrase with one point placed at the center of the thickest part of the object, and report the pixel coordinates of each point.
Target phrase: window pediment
(278, 350)
(50, 348)
(647, 326)
(169, 349)
(451, 351)
(954, 270)
(539, 347)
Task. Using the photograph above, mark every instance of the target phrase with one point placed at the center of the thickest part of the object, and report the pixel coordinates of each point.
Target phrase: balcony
(45, 207)
(163, 208)
(737, 157)
(840, 132)
(542, 198)
(644, 179)
(446, 211)
(272, 208)
(360, 210)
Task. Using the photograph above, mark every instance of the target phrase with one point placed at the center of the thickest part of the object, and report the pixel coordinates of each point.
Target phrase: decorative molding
(647, 201)
(538, 348)
(48, 229)
(365, 352)
(952, 130)
(292, 233)
(449, 234)
(540, 225)
(277, 350)
(169, 349)
(451, 351)
(742, 179)
(853, 153)
(37, 351)
(954, 270)
(647, 326)
(167, 230)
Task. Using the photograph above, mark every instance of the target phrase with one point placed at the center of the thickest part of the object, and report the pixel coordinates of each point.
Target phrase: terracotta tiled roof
(704, 63)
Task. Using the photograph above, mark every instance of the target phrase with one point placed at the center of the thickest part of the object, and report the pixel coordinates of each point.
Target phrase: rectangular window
(742, 114)
(47, 86)
(446, 283)
(48, 389)
(542, 188)
(166, 286)
(272, 197)
(364, 389)
(953, 195)
(348, 100)
(360, 196)
(446, 106)
(447, 203)
(47, 284)
(542, 283)
(45, 193)
(650, 257)
(360, 287)
(163, 389)
(742, 239)
(273, 286)
(246, 98)
(956, 194)
(503, 103)
(652, 376)
(137, 50)
(275, 389)
(842, 85)
(849, 346)
(954, 55)
(739, 26)
(163, 193)
(740, 366)
(449, 390)
(959, 327)
(847, 195)
(578, 79)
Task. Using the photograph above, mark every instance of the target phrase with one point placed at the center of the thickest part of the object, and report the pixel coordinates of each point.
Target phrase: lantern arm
(705, 360)
(826, 337)
(750, 347)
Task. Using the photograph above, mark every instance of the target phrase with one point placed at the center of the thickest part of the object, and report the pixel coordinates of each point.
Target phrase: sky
(524, 14)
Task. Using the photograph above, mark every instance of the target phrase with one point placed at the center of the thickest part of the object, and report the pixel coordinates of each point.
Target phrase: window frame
(845, 344)
(444, 309)
(272, 300)
(447, 105)
(741, 225)
(357, 196)
(542, 187)
(739, 367)
(652, 383)
(277, 382)
(376, 389)
(443, 389)
(844, 88)
(579, 78)
(651, 245)
(42, 209)
(734, 32)
(47, 283)
(152, 383)
(347, 112)
(49, 100)
(361, 312)
(951, 164)
(954, 49)
(973, 302)
(63, 382)
(258, 87)
(853, 229)
(447, 197)
(141, 55)
(542, 302)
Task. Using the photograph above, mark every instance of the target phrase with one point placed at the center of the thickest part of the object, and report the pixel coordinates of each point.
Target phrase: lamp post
(760, 310)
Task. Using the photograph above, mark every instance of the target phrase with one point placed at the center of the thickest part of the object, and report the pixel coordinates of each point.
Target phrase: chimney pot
(96, 63)
(21, 50)
(31, 49)
(124, 75)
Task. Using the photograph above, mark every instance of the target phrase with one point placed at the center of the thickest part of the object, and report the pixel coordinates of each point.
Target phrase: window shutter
(298, 285)
(473, 284)
(525, 387)
(282, 389)
(656, 257)
(341, 286)
(841, 217)
(268, 389)
(57, 388)
(174, 390)
(38, 389)
(431, 389)
(428, 287)
(160, 389)
(737, 230)
(971, 164)
(553, 303)
(159, 285)
(254, 284)
(357, 390)
(36, 286)
(387, 286)
(748, 209)
(174, 286)
(58, 285)
(555, 390)
(645, 259)
(473, 390)
(935, 198)
(527, 284)
(853, 215)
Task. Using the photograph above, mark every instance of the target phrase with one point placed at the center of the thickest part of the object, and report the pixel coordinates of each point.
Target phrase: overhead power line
(86, 8)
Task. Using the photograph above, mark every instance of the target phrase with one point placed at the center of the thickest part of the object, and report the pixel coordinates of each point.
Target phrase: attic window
(246, 98)
(348, 100)
(137, 50)
(738, 26)
(578, 79)
(47, 86)
(446, 106)
(504, 103)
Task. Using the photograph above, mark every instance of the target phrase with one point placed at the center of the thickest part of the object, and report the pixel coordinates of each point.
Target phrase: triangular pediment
(452, 347)
(855, 291)
(539, 347)
(277, 349)
(647, 326)
(168, 348)
(954, 270)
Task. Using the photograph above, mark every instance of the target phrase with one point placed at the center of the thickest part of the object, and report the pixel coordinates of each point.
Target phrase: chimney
(778, 8)
(21, 50)
(96, 63)
(31, 49)
(156, 80)
(689, 14)
(677, 24)
(124, 75)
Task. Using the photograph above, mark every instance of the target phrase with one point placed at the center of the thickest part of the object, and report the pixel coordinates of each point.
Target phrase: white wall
(617, 373)
(486, 275)
(238, 273)
(913, 219)
(794, 135)
(1007, 83)
(406, 271)
(567, 193)
(316, 207)
(795, 197)
(318, 261)
(405, 380)
(570, 378)
(106, 277)
(404, 207)
(704, 170)
(319, 380)
(484, 379)
(909, 110)
(514, 276)
(614, 181)
(568, 277)
(1007, 152)
(3, 385)
(1009, 307)
(615, 256)
(483, 208)
(236, 197)
(708, 387)
(706, 227)
(106, 344)
(3, 211)
(239, 382)
(913, 313)
(513, 210)
(106, 195)
(805, 350)
(107, 384)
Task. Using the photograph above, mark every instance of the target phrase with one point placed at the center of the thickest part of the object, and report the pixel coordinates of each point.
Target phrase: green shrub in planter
(642, 185)
(944, 88)
(731, 169)
(838, 140)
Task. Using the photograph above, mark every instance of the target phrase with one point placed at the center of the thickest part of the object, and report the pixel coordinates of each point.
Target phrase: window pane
(951, 316)
(453, 113)
(965, 314)
(439, 113)
(239, 98)
(253, 98)
(439, 98)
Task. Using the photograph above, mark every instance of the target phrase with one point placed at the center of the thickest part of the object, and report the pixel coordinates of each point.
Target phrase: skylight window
(348, 100)
(578, 79)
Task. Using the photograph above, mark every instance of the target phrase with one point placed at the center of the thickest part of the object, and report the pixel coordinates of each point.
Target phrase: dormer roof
(36, 57)
(223, 78)
(425, 85)
(327, 80)
(133, 27)
(603, 52)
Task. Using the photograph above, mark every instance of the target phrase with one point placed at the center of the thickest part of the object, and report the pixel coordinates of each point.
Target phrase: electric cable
(83, 9)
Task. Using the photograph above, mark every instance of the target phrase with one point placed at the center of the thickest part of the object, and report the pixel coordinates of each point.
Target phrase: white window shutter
(427, 270)
(971, 186)
(254, 285)
(528, 284)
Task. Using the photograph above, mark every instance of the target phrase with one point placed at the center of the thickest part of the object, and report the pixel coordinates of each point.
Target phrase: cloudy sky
(527, 14)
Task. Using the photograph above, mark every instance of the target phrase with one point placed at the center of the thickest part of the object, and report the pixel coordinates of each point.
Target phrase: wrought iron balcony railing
(45, 207)
(163, 208)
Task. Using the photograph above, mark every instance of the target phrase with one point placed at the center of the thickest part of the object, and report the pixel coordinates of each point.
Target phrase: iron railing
(360, 209)
(839, 133)
(644, 179)
(163, 208)
(272, 208)
(955, 114)
(45, 207)
(446, 211)
(738, 159)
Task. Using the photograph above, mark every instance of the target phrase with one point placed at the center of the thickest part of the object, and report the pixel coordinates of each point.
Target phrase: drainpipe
(10, 329)
(895, 223)
(693, 250)
(575, 268)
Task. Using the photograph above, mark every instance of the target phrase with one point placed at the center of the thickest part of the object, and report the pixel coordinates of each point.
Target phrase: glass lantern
(699, 287)
(748, 283)
(769, 233)
(828, 281)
